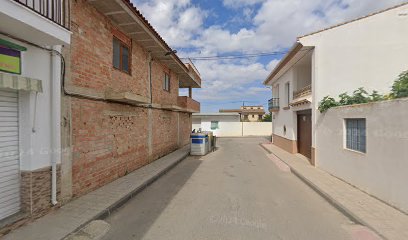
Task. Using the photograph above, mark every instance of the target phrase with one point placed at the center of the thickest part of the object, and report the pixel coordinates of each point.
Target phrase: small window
(214, 125)
(287, 91)
(166, 82)
(356, 134)
(253, 116)
(121, 58)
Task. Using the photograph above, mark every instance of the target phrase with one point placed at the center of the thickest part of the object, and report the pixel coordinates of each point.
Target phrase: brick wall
(91, 54)
(185, 128)
(159, 94)
(165, 136)
(109, 139)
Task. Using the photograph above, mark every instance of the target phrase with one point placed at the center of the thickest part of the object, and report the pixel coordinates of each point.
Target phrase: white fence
(382, 169)
(237, 129)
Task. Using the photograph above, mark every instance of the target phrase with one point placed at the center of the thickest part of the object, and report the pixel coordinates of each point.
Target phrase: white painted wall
(35, 146)
(285, 118)
(382, 171)
(257, 128)
(368, 53)
(17, 20)
(230, 126)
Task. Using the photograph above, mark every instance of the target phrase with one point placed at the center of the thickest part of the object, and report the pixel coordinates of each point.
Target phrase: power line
(217, 57)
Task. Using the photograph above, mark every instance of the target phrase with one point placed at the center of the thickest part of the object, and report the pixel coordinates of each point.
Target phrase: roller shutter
(9, 154)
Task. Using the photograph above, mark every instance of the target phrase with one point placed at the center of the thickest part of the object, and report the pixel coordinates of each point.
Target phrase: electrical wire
(249, 55)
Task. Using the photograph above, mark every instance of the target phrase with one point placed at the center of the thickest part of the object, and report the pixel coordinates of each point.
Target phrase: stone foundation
(36, 191)
(286, 144)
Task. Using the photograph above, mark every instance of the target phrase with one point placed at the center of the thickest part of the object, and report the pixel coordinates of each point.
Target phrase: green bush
(398, 90)
(326, 103)
(359, 96)
(267, 118)
(400, 87)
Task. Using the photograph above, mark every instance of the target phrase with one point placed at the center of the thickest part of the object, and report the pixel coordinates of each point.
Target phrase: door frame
(309, 150)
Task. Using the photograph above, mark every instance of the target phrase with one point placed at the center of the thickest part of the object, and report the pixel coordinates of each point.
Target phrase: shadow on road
(134, 219)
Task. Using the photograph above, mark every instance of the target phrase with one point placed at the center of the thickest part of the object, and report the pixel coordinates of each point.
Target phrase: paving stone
(77, 213)
(385, 220)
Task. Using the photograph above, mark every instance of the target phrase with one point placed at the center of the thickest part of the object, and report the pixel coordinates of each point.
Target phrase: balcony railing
(302, 92)
(188, 104)
(58, 11)
(273, 104)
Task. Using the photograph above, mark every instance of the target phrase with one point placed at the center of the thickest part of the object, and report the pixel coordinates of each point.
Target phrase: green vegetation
(267, 118)
(400, 87)
(398, 90)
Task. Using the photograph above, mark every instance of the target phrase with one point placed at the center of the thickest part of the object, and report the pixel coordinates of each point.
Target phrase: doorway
(304, 133)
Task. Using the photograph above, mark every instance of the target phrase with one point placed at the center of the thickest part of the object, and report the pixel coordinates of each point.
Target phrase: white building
(369, 52)
(229, 125)
(31, 34)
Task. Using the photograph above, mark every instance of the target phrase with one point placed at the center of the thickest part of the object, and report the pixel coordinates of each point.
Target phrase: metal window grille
(356, 134)
(214, 125)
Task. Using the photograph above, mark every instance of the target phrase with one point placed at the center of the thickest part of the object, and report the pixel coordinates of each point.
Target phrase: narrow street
(234, 193)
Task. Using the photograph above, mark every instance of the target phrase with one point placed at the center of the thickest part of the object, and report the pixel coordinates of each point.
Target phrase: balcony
(188, 105)
(303, 92)
(57, 11)
(273, 104)
(43, 22)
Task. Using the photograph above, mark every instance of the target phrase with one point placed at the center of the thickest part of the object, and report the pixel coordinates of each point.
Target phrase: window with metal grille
(356, 134)
(166, 82)
(214, 125)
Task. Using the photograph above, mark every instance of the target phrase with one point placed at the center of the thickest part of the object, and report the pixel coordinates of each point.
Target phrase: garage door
(9, 154)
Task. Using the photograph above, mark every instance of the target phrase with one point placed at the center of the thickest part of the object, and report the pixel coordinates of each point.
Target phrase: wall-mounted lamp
(169, 53)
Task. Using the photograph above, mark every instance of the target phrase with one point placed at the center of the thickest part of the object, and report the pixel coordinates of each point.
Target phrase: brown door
(304, 129)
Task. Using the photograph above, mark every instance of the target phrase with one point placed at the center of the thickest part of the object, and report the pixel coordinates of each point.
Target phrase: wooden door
(304, 132)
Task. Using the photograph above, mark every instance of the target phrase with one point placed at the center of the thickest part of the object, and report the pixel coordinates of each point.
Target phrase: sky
(201, 28)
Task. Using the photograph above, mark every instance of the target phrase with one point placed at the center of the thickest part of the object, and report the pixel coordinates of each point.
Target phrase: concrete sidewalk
(360, 207)
(97, 204)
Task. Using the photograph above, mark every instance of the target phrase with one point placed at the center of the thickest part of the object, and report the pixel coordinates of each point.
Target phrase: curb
(107, 212)
(345, 211)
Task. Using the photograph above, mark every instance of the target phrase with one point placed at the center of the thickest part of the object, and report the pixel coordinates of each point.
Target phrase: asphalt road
(234, 193)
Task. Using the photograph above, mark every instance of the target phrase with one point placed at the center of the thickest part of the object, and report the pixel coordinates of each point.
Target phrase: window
(356, 134)
(275, 94)
(121, 56)
(287, 91)
(214, 125)
(166, 82)
(253, 116)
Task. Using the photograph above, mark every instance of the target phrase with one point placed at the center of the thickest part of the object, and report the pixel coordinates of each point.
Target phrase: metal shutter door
(9, 154)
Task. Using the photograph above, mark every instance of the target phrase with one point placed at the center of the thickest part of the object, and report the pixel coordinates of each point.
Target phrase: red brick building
(121, 107)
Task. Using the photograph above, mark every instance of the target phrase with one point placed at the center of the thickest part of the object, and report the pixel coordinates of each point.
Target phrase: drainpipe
(55, 95)
(150, 77)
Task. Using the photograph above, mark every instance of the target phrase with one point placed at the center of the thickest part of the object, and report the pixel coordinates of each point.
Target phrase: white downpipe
(55, 90)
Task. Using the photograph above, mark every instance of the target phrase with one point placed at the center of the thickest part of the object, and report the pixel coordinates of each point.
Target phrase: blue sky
(199, 28)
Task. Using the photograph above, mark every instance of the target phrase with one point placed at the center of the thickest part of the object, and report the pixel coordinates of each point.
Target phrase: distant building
(248, 113)
(229, 125)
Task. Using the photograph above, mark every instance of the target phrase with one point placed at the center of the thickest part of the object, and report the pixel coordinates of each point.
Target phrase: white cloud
(228, 80)
(177, 21)
(240, 3)
(273, 25)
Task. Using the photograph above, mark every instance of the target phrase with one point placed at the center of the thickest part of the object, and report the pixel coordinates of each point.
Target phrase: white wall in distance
(230, 126)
